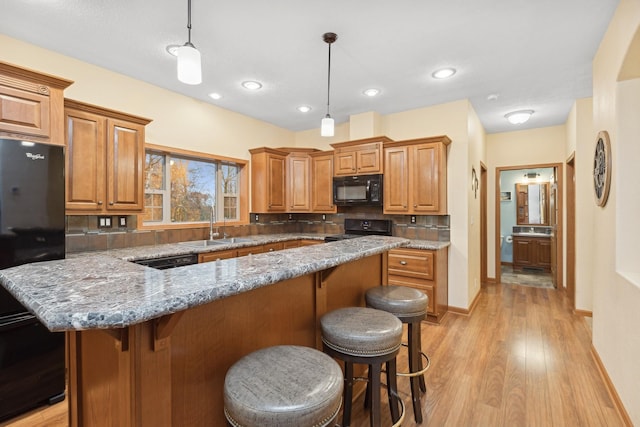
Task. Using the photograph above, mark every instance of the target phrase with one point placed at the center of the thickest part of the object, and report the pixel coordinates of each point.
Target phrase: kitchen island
(150, 347)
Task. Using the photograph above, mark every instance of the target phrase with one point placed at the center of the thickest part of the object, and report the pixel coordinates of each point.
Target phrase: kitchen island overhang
(157, 351)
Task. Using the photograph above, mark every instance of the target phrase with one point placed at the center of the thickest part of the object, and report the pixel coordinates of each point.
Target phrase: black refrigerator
(32, 369)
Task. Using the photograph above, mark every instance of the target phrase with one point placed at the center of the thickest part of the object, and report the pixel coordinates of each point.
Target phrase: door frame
(483, 223)
(571, 229)
(559, 173)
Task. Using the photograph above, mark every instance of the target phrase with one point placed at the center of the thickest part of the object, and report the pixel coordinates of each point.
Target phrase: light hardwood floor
(521, 359)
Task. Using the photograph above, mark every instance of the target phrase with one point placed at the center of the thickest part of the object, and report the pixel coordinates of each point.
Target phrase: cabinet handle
(403, 262)
(110, 203)
(405, 206)
(415, 206)
(270, 249)
(100, 202)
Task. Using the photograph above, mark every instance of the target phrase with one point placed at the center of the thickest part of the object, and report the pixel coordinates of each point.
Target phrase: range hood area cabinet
(359, 157)
(105, 160)
(415, 176)
(31, 105)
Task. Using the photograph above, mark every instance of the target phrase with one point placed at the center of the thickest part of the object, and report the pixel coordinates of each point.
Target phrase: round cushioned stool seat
(401, 301)
(283, 386)
(361, 331)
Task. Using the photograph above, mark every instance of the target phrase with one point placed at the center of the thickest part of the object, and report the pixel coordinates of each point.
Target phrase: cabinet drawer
(214, 256)
(418, 284)
(272, 247)
(409, 263)
(252, 250)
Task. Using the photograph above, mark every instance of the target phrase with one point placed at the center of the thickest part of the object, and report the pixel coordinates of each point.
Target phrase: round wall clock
(602, 168)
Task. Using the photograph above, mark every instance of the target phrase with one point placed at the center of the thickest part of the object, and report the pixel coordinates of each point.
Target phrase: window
(187, 189)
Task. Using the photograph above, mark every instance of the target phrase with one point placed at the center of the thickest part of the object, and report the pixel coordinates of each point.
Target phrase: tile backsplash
(84, 234)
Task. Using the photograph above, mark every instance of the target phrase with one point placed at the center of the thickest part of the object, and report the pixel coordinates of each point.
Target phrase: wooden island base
(170, 371)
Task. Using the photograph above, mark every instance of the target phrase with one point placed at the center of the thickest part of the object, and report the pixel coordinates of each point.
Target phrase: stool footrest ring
(421, 371)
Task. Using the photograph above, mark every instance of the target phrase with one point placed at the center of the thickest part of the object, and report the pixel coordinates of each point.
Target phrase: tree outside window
(189, 188)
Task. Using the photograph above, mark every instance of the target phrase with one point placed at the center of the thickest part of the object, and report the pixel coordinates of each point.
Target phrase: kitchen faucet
(211, 222)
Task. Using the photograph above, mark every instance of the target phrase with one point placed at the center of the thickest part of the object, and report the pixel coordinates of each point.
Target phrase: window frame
(243, 186)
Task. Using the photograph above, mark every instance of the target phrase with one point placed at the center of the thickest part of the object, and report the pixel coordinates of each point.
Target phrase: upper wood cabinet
(105, 160)
(322, 182)
(359, 157)
(415, 178)
(298, 182)
(268, 180)
(31, 105)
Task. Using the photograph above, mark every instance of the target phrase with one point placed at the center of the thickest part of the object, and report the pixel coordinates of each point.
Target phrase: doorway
(571, 229)
(528, 238)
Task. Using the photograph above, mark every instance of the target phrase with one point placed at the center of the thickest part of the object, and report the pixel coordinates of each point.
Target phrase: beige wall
(580, 138)
(178, 121)
(616, 301)
(525, 147)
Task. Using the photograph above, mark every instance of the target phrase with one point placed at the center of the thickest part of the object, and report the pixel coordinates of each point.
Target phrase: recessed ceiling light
(444, 73)
(304, 108)
(215, 95)
(371, 92)
(518, 117)
(492, 97)
(251, 85)
(173, 49)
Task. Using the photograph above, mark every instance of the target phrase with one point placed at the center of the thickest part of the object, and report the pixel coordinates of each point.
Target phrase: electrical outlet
(290, 217)
(257, 217)
(122, 221)
(413, 219)
(104, 222)
(324, 217)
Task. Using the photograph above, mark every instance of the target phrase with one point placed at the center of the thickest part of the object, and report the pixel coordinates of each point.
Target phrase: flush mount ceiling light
(304, 108)
(189, 64)
(443, 73)
(518, 117)
(326, 126)
(371, 92)
(251, 85)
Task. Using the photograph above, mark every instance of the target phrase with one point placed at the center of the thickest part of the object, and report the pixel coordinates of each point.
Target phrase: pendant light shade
(326, 127)
(189, 63)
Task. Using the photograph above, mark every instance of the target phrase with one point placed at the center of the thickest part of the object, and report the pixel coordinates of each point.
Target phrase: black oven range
(362, 227)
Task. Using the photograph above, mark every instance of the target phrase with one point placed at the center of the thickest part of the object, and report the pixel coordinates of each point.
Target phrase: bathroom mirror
(532, 203)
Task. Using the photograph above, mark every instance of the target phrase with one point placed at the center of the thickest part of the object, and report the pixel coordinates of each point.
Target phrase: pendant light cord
(189, 22)
(329, 79)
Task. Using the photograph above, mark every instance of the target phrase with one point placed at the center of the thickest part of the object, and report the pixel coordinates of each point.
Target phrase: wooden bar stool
(284, 386)
(370, 337)
(410, 306)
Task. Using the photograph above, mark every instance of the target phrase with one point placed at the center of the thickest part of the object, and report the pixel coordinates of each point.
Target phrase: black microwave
(358, 190)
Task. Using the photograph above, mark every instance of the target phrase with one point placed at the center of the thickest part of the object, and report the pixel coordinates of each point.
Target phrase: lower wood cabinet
(425, 270)
(257, 249)
(532, 252)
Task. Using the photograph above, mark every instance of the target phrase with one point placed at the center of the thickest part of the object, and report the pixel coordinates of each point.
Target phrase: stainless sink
(205, 243)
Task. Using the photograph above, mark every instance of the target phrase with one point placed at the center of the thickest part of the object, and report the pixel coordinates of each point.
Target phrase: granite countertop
(103, 290)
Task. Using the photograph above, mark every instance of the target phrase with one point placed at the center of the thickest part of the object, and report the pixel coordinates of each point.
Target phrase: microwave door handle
(368, 189)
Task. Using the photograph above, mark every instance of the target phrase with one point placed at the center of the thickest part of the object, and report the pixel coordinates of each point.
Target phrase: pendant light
(326, 128)
(189, 66)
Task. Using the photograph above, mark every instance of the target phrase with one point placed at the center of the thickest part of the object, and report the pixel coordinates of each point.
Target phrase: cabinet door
(276, 179)
(424, 178)
(23, 112)
(125, 163)
(299, 188)
(251, 250)
(273, 247)
(522, 252)
(369, 160)
(396, 180)
(214, 256)
(345, 163)
(85, 162)
(544, 254)
(322, 184)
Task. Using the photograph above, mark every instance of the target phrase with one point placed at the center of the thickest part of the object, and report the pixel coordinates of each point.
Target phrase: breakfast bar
(152, 347)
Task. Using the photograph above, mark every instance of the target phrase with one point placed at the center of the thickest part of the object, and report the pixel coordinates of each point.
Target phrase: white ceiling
(532, 54)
